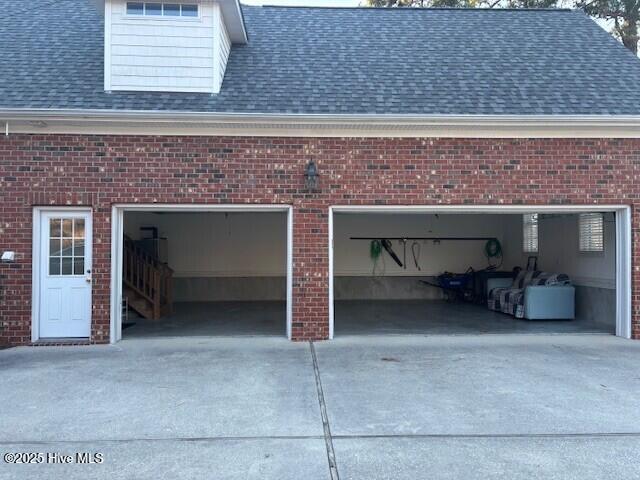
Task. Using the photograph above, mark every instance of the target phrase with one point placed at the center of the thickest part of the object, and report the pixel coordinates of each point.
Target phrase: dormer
(172, 46)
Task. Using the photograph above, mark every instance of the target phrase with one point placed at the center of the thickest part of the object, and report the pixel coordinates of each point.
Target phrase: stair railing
(147, 276)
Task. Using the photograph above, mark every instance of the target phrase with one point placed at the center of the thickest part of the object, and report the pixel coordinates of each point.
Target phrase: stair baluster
(147, 282)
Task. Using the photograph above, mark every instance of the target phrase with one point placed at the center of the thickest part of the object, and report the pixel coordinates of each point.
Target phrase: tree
(421, 3)
(463, 3)
(623, 14)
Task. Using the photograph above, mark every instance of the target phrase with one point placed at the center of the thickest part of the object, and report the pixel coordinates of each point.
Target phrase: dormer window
(170, 46)
(153, 9)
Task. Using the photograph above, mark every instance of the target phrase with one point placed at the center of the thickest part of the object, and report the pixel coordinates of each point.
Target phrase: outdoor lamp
(311, 175)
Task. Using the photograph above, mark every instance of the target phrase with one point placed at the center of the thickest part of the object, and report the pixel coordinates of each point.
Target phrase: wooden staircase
(147, 282)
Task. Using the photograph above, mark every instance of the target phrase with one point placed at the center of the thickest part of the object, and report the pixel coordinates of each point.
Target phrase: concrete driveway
(516, 407)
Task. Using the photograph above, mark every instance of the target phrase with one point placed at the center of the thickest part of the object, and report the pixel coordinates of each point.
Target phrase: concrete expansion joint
(331, 455)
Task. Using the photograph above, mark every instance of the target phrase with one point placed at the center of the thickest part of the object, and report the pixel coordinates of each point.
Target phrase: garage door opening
(411, 271)
(207, 272)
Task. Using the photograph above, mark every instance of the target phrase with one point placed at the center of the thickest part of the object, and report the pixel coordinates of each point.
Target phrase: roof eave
(339, 125)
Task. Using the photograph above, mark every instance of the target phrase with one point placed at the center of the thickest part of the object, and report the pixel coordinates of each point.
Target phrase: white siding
(223, 51)
(159, 54)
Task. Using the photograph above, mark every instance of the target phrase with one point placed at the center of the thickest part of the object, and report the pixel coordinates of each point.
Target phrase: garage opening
(204, 273)
(537, 271)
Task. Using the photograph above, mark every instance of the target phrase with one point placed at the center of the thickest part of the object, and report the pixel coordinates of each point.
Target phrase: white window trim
(163, 18)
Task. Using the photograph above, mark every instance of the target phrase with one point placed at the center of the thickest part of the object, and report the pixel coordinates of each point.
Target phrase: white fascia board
(234, 20)
(208, 123)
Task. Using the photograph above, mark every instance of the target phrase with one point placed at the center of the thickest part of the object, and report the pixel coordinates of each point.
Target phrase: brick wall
(101, 170)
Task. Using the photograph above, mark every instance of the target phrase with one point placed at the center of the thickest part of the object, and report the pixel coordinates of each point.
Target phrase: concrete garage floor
(433, 317)
(396, 407)
(197, 319)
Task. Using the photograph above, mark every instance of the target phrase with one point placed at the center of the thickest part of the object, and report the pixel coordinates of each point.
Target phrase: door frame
(117, 246)
(35, 261)
(624, 253)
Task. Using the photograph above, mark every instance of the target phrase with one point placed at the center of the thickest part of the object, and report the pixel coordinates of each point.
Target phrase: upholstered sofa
(533, 295)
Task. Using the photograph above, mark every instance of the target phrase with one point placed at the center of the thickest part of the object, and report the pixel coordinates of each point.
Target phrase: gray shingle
(346, 61)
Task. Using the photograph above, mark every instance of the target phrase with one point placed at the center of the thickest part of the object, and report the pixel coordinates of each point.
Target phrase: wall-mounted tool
(415, 251)
(375, 251)
(404, 252)
(386, 244)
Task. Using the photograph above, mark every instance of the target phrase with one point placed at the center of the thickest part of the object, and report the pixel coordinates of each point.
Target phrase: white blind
(591, 232)
(530, 233)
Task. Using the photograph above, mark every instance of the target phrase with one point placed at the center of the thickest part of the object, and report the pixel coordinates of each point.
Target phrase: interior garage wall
(593, 274)
(353, 266)
(220, 256)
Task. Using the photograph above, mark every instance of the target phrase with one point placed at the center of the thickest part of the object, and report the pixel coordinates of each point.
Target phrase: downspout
(6, 129)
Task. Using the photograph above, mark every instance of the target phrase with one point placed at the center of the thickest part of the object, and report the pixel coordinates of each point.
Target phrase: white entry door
(65, 274)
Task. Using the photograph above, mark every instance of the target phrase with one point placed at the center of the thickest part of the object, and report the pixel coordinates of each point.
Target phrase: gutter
(338, 125)
(380, 119)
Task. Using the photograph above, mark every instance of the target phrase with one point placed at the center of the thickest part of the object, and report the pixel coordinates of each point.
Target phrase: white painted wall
(165, 54)
(559, 252)
(352, 257)
(217, 244)
(254, 244)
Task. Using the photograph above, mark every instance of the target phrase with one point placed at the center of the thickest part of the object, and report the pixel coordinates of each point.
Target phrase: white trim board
(117, 229)
(132, 122)
(623, 242)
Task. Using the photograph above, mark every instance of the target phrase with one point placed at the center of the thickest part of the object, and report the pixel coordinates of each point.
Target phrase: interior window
(530, 233)
(591, 230)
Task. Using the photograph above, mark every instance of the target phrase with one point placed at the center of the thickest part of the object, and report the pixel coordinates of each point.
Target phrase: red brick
(103, 170)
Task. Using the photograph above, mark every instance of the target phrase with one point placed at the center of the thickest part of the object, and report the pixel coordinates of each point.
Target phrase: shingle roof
(342, 61)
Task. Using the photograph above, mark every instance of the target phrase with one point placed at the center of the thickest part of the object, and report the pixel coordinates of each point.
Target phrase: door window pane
(66, 247)
(78, 248)
(67, 227)
(54, 266)
(78, 266)
(67, 263)
(54, 247)
(78, 228)
(54, 225)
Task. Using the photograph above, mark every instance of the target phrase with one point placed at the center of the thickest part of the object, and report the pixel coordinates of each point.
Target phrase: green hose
(376, 249)
(493, 249)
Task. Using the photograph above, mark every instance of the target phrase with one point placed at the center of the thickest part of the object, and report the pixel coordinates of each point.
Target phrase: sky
(307, 3)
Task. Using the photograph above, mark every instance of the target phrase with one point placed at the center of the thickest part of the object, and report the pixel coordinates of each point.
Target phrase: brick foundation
(99, 171)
